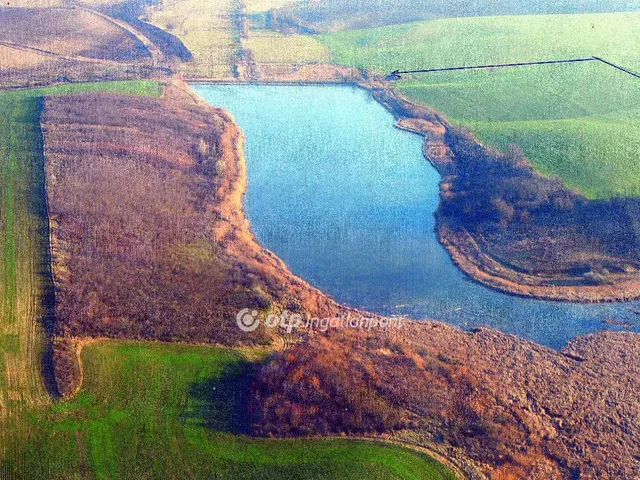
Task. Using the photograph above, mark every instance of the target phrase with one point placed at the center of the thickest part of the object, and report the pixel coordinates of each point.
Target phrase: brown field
(517, 409)
(40, 46)
(148, 235)
(70, 33)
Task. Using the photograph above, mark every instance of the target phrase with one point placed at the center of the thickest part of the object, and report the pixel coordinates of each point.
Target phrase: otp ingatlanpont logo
(247, 320)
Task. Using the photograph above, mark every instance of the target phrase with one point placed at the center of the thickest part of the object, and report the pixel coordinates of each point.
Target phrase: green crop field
(580, 122)
(576, 121)
(151, 410)
(23, 242)
(454, 42)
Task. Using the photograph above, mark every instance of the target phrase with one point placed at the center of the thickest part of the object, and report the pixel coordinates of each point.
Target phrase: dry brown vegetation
(69, 32)
(40, 46)
(148, 235)
(518, 409)
(510, 227)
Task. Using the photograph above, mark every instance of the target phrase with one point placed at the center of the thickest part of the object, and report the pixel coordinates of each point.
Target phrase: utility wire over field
(396, 74)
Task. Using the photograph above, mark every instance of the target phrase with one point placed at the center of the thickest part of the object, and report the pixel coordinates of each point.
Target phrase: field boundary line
(618, 67)
(396, 74)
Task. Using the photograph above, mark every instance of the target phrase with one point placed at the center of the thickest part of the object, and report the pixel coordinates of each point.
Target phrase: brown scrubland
(148, 235)
(516, 409)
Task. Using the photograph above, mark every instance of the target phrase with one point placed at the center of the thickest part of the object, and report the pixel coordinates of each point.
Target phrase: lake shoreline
(465, 252)
(463, 249)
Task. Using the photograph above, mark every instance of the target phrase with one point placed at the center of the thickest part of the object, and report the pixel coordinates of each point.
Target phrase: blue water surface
(348, 202)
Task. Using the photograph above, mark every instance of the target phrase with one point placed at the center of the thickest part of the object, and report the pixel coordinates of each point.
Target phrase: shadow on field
(220, 403)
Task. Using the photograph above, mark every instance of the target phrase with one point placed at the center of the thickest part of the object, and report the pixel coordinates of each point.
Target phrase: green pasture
(453, 42)
(576, 121)
(580, 122)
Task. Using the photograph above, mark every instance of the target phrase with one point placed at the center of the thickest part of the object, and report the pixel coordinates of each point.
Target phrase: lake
(347, 201)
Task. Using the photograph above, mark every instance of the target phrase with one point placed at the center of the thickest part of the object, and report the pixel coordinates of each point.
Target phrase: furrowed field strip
(20, 330)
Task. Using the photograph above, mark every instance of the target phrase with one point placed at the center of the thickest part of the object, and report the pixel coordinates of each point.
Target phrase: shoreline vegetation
(233, 215)
(467, 252)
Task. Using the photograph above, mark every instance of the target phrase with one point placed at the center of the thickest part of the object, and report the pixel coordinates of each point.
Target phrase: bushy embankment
(521, 410)
(148, 235)
(511, 228)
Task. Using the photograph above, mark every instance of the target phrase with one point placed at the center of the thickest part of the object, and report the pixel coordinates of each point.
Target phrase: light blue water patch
(348, 202)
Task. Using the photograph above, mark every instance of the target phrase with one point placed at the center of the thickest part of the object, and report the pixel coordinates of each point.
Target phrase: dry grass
(258, 6)
(207, 30)
(274, 47)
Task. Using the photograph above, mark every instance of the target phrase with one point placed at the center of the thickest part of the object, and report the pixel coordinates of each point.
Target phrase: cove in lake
(347, 201)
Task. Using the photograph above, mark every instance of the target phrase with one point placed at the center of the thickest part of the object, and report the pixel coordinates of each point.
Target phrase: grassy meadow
(150, 410)
(576, 121)
(580, 122)
(453, 42)
(23, 244)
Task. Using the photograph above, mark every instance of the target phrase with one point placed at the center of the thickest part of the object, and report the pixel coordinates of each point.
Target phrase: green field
(454, 42)
(580, 122)
(168, 411)
(23, 242)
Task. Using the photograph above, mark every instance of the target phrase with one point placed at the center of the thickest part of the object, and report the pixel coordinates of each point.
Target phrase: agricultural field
(208, 29)
(139, 399)
(577, 121)
(68, 33)
(580, 122)
(336, 15)
(258, 6)
(25, 282)
(273, 47)
(454, 42)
